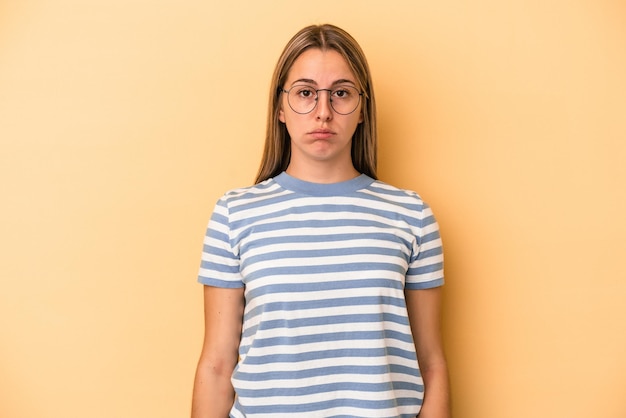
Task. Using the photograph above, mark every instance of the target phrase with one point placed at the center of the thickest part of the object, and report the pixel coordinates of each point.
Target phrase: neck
(323, 173)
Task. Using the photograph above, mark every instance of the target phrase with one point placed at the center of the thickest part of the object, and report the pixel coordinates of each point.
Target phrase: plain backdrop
(123, 121)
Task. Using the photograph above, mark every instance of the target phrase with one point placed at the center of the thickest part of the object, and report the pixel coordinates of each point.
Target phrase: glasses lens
(344, 99)
(302, 99)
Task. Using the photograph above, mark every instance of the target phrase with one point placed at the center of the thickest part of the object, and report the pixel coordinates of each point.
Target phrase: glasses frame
(317, 94)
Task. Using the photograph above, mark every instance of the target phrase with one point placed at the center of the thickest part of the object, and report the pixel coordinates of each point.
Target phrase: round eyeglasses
(303, 99)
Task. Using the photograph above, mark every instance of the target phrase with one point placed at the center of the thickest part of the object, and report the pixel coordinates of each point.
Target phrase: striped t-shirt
(324, 268)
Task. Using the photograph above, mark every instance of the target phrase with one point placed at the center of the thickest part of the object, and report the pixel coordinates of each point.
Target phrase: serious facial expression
(322, 134)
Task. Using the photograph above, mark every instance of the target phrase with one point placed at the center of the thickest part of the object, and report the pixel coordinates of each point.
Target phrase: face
(322, 135)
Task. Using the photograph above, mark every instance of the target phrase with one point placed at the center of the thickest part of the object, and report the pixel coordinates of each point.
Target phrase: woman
(321, 283)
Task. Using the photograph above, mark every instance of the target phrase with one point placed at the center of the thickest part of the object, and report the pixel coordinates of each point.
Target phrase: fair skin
(424, 307)
(320, 152)
(321, 140)
(213, 393)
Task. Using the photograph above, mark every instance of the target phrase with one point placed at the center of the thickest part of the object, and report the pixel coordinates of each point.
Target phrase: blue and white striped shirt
(324, 267)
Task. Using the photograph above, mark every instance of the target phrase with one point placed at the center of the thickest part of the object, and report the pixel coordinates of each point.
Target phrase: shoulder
(402, 203)
(392, 194)
(244, 201)
(250, 193)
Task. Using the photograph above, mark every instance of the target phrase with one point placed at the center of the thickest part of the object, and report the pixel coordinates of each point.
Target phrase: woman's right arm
(213, 393)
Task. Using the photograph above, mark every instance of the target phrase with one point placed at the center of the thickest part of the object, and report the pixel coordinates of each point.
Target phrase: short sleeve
(426, 264)
(219, 266)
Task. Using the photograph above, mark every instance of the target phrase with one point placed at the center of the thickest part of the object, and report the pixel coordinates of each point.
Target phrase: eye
(342, 93)
(305, 92)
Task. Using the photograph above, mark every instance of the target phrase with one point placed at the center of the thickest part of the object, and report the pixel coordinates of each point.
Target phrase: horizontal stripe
(337, 411)
(360, 353)
(362, 370)
(331, 336)
(322, 253)
(358, 390)
(316, 286)
(324, 270)
(247, 350)
(315, 406)
(339, 267)
(293, 324)
(302, 305)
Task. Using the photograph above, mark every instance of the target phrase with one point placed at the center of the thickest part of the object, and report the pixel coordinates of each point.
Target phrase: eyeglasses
(302, 99)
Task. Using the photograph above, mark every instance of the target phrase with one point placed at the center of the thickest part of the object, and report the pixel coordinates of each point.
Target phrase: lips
(321, 133)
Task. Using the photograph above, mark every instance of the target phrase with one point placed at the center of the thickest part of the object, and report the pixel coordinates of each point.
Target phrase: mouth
(321, 133)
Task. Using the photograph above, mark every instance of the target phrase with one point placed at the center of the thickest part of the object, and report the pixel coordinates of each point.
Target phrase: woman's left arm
(424, 308)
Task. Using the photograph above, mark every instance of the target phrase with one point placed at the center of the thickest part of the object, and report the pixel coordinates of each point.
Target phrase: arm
(424, 315)
(213, 393)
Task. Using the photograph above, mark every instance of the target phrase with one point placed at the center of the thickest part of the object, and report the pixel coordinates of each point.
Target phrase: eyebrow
(336, 82)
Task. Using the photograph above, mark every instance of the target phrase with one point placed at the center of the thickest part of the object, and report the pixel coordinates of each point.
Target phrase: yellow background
(122, 121)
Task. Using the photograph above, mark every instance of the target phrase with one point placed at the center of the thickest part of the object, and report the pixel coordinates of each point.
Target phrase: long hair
(277, 150)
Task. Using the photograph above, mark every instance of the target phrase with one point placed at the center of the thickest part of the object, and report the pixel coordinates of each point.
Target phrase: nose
(324, 109)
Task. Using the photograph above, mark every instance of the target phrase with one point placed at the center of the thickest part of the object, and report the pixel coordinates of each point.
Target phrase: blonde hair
(277, 150)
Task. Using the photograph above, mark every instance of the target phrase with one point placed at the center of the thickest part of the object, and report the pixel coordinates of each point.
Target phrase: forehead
(321, 67)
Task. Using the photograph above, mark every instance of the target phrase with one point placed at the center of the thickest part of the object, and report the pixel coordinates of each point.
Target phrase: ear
(281, 115)
(360, 116)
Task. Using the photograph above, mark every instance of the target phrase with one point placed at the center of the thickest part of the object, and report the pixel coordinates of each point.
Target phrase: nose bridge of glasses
(316, 104)
(330, 94)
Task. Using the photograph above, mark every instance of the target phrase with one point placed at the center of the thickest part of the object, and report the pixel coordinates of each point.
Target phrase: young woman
(321, 283)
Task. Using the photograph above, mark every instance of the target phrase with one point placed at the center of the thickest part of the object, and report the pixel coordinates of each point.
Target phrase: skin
(321, 140)
(213, 393)
(320, 152)
(424, 307)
